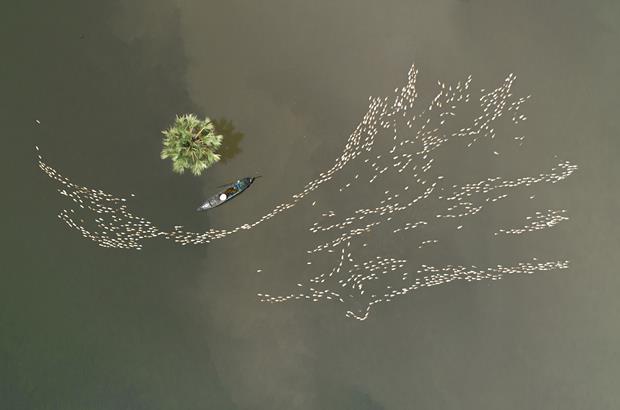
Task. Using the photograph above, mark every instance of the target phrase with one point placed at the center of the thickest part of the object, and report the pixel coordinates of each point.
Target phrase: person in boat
(229, 191)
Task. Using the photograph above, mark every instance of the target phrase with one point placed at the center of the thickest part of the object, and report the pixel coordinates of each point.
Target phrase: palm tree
(191, 143)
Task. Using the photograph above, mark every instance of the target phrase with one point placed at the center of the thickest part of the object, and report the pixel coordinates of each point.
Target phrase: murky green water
(170, 327)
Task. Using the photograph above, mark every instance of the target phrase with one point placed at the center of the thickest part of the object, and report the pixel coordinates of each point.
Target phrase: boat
(230, 191)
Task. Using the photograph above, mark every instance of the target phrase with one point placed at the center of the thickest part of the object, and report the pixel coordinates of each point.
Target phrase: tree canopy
(192, 144)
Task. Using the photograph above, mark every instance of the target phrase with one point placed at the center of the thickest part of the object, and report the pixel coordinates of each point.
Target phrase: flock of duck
(395, 145)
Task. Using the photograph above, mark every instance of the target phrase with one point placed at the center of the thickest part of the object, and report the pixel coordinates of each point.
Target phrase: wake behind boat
(230, 191)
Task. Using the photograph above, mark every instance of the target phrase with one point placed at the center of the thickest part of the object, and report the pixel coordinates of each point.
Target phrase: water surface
(181, 327)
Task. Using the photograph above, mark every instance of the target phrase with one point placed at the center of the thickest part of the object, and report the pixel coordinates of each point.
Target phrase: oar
(230, 183)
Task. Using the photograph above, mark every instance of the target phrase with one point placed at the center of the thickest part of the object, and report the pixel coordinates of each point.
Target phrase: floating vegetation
(396, 145)
(192, 144)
